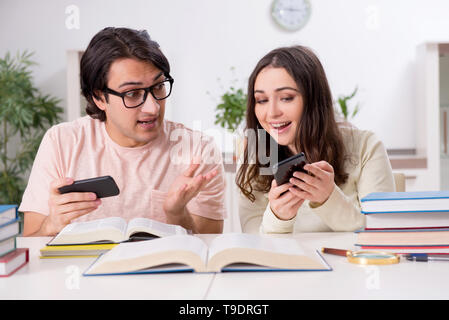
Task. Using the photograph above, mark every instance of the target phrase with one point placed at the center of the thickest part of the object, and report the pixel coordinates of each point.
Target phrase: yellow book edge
(106, 246)
(58, 257)
(75, 251)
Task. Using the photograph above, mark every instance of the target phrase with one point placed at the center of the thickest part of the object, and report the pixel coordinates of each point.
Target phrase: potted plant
(231, 110)
(25, 115)
(343, 110)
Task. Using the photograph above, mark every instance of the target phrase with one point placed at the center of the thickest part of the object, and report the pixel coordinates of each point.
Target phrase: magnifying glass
(364, 257)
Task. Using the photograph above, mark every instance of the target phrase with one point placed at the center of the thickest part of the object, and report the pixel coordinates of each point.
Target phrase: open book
(114, 229)
(226, 252)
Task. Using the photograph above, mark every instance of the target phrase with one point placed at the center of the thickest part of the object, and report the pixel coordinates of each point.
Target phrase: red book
(13, 261)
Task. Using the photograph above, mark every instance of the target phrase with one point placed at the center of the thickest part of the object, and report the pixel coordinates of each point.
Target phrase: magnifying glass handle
(338, 252)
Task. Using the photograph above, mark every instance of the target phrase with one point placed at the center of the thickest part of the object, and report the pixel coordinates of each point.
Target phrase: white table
(406, 280)
(62, 279)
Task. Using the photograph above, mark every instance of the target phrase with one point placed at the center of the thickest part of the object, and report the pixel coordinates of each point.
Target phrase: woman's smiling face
(278, 105)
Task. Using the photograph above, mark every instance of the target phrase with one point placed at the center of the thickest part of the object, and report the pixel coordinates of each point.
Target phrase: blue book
(7, 245)
(8, 212)
(406, 202)
(9, 229)
(225, 253)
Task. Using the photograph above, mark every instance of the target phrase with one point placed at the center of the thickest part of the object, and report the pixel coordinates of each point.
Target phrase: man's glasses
(136, 97)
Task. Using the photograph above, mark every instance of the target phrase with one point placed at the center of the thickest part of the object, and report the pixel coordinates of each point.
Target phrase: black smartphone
(102, 186)
(284, 170)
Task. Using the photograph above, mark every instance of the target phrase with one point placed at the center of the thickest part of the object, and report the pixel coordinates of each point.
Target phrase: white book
(407, 220)
(227, 252)
(114, 229)
(422, 201)
(8, 213)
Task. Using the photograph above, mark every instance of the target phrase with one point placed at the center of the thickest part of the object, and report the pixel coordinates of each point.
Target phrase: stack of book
(406, 222)
(11, 257)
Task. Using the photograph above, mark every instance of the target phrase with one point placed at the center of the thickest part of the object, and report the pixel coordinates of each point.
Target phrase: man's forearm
(40, 232)
(34, 225)
(183, 219)
(195, 223)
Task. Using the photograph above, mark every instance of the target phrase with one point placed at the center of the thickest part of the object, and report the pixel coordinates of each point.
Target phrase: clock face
(291, 14)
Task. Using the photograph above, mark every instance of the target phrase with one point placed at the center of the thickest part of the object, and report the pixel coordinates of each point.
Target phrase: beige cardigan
(369, 171)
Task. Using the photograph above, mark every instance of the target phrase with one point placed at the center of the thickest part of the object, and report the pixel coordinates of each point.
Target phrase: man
(125, 79)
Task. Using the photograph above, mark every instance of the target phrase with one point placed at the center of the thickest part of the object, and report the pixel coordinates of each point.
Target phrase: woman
(289, 98)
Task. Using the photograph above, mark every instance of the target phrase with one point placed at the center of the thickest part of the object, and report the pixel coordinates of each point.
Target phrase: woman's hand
(316, 187)
(283, 203)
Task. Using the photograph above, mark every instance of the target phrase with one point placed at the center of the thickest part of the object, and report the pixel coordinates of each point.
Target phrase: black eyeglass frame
(148, 89)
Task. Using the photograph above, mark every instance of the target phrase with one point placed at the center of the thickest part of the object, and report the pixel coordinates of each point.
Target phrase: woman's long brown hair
(318, 135)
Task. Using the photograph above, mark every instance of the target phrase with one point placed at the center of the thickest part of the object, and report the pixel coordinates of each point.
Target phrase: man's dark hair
(107, 46)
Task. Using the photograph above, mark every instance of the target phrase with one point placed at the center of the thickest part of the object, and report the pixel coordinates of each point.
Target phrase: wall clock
(291, 15)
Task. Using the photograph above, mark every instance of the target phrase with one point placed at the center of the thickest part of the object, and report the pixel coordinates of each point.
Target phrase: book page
(92, 228)
(134, 256)
(251, 252)
(129, 250)
(258, 242)
(87, 226)
(153, 227)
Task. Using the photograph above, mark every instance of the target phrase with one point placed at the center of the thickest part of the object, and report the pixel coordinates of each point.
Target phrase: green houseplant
(25, 115)
(343, 106)
(231, 110)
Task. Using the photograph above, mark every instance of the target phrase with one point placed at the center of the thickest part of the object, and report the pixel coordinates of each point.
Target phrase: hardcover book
(9, 229)
(407, 220)
(226, 252)
(423, 201)
(410, 237)
(13, 261)
(8, 212)
(114, 230)
(7, 245)
(76, 251)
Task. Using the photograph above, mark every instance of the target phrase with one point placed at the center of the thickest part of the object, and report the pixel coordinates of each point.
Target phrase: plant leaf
(24, 110)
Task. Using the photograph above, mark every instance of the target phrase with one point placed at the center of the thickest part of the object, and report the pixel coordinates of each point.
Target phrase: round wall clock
(291, 15)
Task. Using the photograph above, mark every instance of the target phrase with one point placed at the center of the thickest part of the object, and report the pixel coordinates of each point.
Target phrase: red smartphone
(102, 186)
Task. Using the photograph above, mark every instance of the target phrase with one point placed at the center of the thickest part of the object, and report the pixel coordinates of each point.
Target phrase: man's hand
(185, 188)
(66, 207)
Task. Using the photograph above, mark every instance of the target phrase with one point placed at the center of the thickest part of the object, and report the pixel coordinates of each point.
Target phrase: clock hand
(291, 9)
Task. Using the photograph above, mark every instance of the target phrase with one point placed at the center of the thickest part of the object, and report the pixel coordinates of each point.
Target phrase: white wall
(367, 43)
